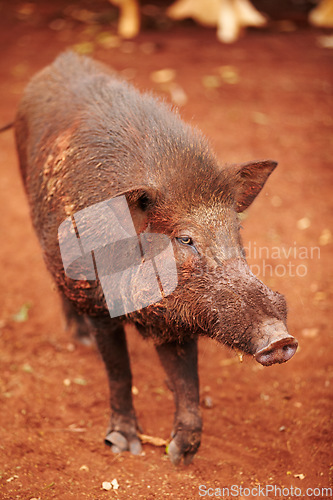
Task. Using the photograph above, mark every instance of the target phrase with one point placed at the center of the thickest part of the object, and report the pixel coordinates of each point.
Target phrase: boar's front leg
(180, 361)
(111, 342)
(79, 323)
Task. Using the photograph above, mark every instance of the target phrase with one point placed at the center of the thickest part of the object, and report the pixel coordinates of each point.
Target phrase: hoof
(119, 443)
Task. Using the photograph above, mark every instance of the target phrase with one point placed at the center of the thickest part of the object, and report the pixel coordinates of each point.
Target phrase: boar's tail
(6, 127)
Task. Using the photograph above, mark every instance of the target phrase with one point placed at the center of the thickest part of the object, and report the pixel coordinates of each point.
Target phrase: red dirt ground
(267, 426)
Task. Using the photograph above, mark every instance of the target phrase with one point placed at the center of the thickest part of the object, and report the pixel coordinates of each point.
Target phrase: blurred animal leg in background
(235, 15)
(322, 15)
(230, 16)
(205, 12)
(129, 17)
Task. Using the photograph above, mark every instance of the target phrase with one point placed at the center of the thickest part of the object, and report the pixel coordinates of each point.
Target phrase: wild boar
(138, 223)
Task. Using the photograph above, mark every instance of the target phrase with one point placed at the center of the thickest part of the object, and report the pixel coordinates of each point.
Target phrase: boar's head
(217, 294)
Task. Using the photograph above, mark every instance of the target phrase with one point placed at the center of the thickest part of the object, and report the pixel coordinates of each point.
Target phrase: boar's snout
(277, 352)
(280, 347)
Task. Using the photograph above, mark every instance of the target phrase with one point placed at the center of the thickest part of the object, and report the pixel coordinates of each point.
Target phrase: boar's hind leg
(180, 363)
(111, 342)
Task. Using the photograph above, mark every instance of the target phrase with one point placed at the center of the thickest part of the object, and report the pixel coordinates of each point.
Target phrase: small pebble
(211, 82)
(326, 237)
(304, 223)
(320, 296)
(148, 48)
(27, 368)
(286, 26)
(229, 74)
(128, 73)
(26, 8)
(177, 94)
(128, 47)
(106, 485)
(58, 24)
(276, 201)
(115, 484)
(84, 48)
(207, 402)
(163, 75)
(310, 333)
(107, 40)
(80, 381)
(10, 479)
(325, 41)
(259, 118)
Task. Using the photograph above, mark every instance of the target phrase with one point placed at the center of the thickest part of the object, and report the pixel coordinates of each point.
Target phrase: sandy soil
(267, 96)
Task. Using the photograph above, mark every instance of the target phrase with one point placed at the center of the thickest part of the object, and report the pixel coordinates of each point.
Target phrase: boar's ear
(140, 200)
(251, 178)
(140, 197)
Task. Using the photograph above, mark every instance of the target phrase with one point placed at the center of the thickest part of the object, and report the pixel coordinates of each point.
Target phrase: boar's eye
(186, 240)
